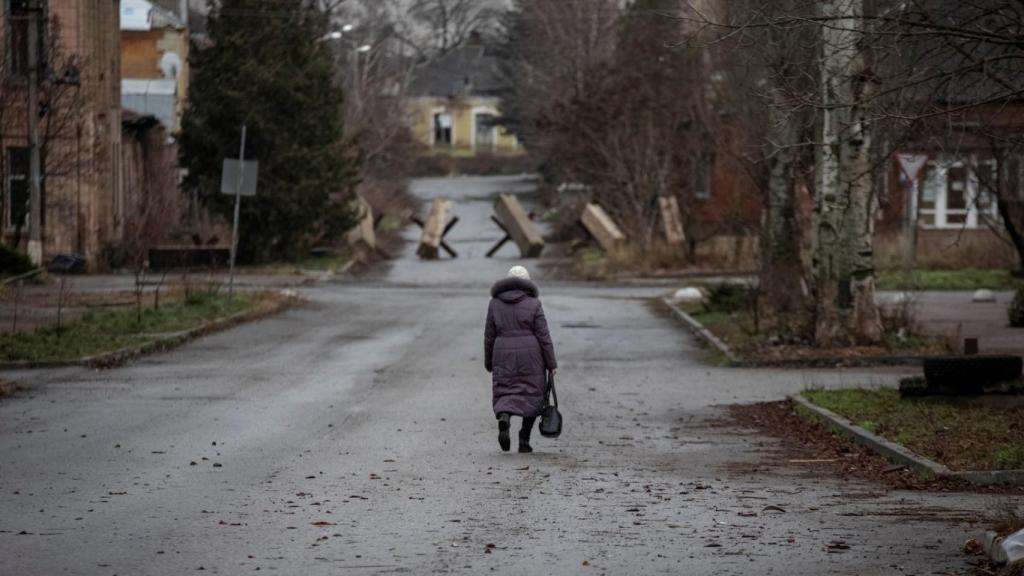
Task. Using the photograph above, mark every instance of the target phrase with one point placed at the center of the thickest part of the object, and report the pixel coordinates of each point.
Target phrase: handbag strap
(551, 389)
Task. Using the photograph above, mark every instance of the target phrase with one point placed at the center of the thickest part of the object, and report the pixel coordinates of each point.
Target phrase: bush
(1016, 310)
(13, 263)
(727, 297)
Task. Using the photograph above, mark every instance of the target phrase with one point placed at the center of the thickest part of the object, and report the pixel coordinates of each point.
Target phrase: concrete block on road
(602, 228)
(983, 295)
(672, 219)
(518, 225)
(688, 295)
(363, 233)
(433, 229)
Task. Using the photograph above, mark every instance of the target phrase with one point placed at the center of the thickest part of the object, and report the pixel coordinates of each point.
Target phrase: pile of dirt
(817, 450)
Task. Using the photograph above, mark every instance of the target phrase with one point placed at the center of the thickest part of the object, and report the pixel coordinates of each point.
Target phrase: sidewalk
(954, 314)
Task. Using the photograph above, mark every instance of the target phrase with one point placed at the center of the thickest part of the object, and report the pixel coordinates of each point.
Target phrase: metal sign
(229, 175)
(911, 164)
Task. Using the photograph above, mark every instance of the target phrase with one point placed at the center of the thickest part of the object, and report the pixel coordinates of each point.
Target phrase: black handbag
(550, 417)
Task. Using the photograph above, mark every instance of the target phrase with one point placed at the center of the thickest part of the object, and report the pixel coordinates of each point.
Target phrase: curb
(901, 454)
(703, 333)
(25, 276)
(119, 357)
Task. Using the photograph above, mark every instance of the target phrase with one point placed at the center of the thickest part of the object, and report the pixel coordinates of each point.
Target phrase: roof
(464, 71)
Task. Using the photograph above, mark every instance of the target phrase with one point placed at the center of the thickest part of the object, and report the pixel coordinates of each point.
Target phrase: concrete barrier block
(602, 228)
(672, 218)
(433, 229)
(518, 225)
(363, 233)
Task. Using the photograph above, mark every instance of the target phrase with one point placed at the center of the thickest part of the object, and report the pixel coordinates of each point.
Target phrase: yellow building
(455, 107)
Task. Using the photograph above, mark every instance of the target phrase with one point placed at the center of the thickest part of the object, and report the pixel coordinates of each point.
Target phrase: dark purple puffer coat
(517, 348)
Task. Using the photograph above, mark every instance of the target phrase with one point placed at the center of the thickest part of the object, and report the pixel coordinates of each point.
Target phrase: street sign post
(911, 166)
(238, 177)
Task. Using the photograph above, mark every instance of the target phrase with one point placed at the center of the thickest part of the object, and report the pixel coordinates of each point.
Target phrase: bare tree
(763, 74)
(606, 97)
(451, 23)
(843, 259)
(553, 53)
(154, 205)
(376, 70)
(933, 75)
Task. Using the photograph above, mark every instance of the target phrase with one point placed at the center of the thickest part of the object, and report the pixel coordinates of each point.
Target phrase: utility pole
(238, 202)
(35, 222)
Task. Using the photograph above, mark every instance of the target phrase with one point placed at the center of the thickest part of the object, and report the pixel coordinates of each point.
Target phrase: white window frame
(938, 217)
(490, 110)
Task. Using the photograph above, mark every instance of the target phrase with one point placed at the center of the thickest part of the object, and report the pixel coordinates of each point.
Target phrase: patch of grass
(965, 279)
(98, 332)
(962, 433)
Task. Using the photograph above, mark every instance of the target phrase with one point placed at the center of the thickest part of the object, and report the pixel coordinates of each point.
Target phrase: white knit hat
(519, 272)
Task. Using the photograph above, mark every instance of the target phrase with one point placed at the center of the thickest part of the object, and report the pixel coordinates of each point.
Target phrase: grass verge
(965, 279)
(99, 332)
(963, 433)
(735, 330)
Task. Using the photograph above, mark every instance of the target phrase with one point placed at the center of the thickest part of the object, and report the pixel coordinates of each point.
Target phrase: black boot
(524, 435)
(503, 426)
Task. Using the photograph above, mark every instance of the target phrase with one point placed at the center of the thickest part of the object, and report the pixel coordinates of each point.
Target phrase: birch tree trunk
(843, 225)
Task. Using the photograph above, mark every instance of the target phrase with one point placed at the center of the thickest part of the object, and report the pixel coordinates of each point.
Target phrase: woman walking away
(518, 353)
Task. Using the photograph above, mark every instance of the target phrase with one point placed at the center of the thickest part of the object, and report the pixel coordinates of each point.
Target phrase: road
(354, 435)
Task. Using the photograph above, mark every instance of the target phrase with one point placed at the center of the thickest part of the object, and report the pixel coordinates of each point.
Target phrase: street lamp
(335, 35)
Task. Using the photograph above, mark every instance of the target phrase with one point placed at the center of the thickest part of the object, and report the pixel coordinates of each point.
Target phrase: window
(701, 179)
(442, 129)
(19, 190)
(485, 130)
(956, 192)
(18, 15)
(17, 187)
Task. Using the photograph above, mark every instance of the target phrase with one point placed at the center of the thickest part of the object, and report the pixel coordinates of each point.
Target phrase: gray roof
(464, 71)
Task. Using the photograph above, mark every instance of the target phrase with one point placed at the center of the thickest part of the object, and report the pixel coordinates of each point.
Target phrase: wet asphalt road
(354, 436)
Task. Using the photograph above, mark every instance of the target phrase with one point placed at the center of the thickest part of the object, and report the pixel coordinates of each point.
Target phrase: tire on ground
(969, 374)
